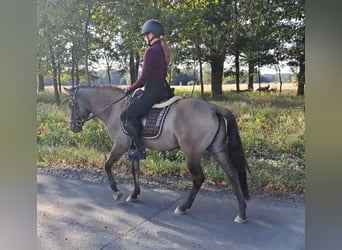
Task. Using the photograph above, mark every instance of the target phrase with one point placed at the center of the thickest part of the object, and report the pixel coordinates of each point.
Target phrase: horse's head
(79, 114)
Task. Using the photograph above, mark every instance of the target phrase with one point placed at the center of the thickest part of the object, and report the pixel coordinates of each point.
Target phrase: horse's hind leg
(135, 172)
(197, 180)
(223, 160)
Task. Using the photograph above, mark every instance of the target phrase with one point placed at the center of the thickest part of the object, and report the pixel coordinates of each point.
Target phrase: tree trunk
(132, 67)
(73, 64)
(216, 74)
(137, 64)
(87, 47)
(77, 74)
(108, 74)
(199, 57)
(201, 79)
(250, 76)
(59, 77)
(301, 78)
(54, 77)
(259, 80)
(41, 84)
(54, 74)
(237, 70)
(280, 81)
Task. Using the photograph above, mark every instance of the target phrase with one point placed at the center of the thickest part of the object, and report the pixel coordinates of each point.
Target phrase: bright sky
(272, 70)
(263, 70)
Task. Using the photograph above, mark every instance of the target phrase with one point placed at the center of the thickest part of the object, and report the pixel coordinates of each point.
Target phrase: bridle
(79, 122)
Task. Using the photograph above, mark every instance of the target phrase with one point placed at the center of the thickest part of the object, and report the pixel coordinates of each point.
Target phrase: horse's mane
(99, 86)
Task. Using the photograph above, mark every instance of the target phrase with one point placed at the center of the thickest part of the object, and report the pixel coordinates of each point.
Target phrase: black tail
(235, 150)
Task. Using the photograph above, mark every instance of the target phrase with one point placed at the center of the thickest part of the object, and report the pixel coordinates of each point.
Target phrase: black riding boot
(139, 153)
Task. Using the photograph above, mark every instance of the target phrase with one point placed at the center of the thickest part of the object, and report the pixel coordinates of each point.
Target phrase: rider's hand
(128, 91)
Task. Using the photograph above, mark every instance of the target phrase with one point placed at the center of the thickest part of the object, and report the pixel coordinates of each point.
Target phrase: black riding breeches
(155, 92)
(138, 108)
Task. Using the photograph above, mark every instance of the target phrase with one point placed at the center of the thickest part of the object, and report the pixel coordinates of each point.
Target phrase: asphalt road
(74, 214)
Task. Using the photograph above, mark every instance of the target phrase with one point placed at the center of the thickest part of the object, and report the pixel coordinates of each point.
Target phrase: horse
(193, 125)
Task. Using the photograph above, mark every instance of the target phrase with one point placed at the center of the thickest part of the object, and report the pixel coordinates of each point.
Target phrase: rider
(153, 77)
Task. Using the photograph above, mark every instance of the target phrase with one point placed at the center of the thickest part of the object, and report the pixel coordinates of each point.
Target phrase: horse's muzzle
(75, 127)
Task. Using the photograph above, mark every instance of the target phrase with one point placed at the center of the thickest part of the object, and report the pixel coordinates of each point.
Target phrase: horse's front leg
(114, 156)
(136, 173)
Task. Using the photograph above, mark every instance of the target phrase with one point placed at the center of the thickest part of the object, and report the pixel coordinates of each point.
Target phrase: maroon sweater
(154, 65)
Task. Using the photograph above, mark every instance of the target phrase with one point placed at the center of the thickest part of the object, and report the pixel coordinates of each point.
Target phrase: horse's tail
(235, 150)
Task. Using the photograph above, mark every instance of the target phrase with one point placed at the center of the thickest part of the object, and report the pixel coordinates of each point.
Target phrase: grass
(271, 129)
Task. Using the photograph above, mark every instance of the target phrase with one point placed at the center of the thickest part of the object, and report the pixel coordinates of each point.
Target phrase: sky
(272, 70)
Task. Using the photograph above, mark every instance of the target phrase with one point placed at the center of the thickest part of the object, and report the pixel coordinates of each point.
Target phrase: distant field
(225, 87)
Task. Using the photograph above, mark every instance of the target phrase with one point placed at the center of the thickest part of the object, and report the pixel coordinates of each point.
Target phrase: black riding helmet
(153, 26)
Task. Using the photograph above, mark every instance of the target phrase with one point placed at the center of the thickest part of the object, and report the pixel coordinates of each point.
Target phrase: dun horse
(193, 125)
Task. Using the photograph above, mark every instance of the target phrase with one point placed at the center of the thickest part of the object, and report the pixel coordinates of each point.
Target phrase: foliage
(73, 35)
(52, 130)
(45, 97)
(271, 129)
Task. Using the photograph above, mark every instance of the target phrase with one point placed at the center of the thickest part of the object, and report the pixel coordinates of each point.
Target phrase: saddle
(154, 121)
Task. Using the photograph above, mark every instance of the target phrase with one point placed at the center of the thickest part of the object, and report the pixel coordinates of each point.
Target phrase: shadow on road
(73, 214)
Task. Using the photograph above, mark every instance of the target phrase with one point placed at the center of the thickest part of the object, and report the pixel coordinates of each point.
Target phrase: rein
(92, 116)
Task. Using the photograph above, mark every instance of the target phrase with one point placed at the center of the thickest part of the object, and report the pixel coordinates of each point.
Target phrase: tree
(49, 26)
(41, 59)
(130, 16)
(219, 22)
(187, 34)
(104, 47)
(294, 13)
(262, 35)
(89, 12)
(75, 40)
(203, 31)
(291, 39)
(74, 34)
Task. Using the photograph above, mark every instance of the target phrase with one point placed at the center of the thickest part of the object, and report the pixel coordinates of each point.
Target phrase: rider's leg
(131, 120)
(134, 130)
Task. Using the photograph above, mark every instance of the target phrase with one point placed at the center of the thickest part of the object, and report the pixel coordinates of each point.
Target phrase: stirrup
(136, 155)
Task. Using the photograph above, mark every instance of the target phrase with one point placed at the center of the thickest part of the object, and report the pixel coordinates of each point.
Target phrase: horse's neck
(100, 99)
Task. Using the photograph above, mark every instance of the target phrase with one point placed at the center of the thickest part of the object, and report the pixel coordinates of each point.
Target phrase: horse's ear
(68, 91)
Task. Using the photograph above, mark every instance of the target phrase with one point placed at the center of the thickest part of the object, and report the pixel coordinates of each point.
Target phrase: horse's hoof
(179, 211)
(239, 220)
(117, 195)
(130, 199)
